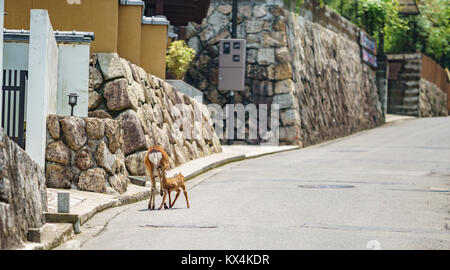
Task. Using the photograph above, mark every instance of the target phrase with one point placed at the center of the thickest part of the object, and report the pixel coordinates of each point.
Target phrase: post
(2, 11)
(63, 202)
(234, 19)
(233, 35)
(42, 79)
(231, 117)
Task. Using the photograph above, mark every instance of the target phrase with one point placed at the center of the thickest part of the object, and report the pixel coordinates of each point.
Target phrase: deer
(156, 162)
(173, 184)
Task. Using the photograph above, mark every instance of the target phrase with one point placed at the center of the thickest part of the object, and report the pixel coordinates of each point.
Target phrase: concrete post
(63, 202)
(382, 82)
(42, 83)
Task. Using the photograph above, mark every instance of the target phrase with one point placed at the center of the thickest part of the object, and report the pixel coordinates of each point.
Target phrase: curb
(276, 152)
(213, 166)
(73, 219)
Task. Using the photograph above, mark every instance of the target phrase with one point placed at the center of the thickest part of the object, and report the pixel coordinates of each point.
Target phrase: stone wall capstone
(23, 196)
(313, 72)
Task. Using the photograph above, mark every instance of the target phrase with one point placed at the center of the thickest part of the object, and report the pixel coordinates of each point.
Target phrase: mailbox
(232, 61)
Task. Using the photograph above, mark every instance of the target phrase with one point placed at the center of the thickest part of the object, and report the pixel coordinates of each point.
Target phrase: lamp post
(72, 101)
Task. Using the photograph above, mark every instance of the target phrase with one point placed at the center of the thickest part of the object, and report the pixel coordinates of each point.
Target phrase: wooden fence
(433, 72)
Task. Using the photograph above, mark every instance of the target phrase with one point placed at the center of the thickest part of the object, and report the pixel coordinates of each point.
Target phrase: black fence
(13, 104)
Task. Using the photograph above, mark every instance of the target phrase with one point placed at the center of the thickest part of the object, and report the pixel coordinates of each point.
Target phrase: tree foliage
(179, 57)
(428, 32)
(432, 28)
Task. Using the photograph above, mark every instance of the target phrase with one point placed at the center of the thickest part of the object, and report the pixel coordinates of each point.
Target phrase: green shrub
(179, 57)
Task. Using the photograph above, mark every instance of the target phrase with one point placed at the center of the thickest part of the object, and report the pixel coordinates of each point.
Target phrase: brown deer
(173, 184)
(156, 161)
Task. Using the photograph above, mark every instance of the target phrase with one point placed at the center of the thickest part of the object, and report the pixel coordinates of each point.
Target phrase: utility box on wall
(232, 53)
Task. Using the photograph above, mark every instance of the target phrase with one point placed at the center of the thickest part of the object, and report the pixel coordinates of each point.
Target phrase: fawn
(173, 184)
(156, 162)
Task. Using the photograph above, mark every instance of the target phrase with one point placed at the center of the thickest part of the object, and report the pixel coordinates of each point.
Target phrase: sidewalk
(84, 205)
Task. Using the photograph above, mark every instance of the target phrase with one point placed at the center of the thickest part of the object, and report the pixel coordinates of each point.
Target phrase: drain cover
(326, 186)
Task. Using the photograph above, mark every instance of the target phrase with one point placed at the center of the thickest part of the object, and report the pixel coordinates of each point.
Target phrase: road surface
(386, 188)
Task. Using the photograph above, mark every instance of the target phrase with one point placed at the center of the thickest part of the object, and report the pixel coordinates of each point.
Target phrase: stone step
(412, 99)
(414, 84)
(409, 76)
(410, 92)
(412, 112)
(414, 66)
(405, 107)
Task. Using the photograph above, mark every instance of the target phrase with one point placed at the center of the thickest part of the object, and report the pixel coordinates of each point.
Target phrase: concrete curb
(70, 219)
(213, 166)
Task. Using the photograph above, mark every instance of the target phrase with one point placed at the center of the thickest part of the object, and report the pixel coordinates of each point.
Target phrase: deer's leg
(176, 197)
(151, 202)
(161, 175)
(162, 178)
(163, 201)
(185, 195)
(170, 200)
(153, 196)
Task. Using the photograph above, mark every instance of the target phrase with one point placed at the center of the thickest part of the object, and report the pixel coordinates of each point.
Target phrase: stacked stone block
(151, 111)
(23, 197)
(85, 154)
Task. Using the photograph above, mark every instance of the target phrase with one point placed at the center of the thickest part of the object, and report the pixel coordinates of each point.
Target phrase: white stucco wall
(2, 11)
(42, 83)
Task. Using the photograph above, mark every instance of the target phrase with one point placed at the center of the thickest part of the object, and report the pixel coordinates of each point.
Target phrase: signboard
(368, 43)
(369, 58)
(368, 49)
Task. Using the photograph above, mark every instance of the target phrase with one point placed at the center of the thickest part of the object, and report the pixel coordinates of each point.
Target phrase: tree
(432, 25)
(179, 57)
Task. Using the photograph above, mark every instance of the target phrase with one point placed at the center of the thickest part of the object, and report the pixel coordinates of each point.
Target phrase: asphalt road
(386, 188)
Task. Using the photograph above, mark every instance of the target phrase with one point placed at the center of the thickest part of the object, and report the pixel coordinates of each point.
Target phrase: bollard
(76, 227)
(63, 202)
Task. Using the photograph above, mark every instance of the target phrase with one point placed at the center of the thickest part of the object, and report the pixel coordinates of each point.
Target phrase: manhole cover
(326, 186)
(183, 226)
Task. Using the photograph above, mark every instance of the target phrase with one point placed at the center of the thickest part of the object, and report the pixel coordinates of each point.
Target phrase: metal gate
(13, 104)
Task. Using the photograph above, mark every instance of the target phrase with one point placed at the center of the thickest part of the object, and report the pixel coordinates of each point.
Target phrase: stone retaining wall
(433, 101)
(152, 113)
(23, 197)
(129, 111)
(86, 154)
(315, 74)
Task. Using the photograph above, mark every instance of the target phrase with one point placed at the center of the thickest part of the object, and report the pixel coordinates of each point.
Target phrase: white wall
(42, 83)
(73, 77)
(2, 11)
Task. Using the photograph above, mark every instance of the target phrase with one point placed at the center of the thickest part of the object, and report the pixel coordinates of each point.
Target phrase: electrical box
(232, 53)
